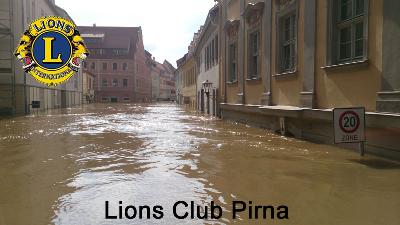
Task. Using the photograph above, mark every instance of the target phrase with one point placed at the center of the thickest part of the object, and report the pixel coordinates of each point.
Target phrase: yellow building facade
(295, 60)
(188, 82)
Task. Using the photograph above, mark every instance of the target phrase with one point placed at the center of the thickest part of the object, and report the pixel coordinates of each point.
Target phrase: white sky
(168, 25)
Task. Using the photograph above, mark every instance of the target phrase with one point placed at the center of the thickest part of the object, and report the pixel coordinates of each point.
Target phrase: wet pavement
(62, 166)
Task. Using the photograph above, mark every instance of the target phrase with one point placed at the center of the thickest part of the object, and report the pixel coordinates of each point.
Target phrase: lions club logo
(51, 50)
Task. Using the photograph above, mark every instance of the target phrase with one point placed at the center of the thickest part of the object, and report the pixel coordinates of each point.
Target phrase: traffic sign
(349, 125)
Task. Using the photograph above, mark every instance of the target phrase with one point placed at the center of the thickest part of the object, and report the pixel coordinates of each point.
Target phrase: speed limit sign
(349, 125)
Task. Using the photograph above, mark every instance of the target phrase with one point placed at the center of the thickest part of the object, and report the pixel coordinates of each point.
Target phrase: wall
(190, 89)
(349, 86)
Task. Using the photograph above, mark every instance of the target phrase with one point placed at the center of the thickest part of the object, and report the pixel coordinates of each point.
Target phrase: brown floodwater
(60, 167)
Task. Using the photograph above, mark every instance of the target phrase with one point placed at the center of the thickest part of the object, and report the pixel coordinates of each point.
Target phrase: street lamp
(207, 86)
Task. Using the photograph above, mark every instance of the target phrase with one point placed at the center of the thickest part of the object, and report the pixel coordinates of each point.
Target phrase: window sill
(290, 74)
(253, 80)
(231, 83)
(350, 65)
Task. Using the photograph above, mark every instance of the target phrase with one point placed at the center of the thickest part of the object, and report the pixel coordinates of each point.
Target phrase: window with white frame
(254, 54)
(348, 33)
(233, 62)
(288, 42)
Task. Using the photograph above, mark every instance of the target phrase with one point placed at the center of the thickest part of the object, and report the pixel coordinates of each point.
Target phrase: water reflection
(61, 167)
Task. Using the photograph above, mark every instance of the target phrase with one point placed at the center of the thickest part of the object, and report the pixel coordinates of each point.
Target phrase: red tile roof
(114, 37)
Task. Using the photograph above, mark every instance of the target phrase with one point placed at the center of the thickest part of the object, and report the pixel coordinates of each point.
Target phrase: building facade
(179, 80)
(18, 89)
(163, 81)
(167, 82)
(118, 61)
(207, 57)
(188, 71)
(189, 80)
(292, 61)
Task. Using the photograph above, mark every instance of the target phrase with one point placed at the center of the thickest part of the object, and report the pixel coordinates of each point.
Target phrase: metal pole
(208, 102)
(362, 148)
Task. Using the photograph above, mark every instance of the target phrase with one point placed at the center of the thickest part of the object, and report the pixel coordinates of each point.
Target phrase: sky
(168, 25)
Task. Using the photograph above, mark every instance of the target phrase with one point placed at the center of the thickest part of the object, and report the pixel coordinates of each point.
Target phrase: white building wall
(212, 75)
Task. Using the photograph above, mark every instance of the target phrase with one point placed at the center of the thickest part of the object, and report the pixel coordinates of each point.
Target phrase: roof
(169, 66)
(61, 12)
(181, 61)
(112, 37)
(212, 14)
(148, 54)
(53, 7)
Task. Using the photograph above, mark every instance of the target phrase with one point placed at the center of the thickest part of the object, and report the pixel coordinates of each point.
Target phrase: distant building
(167, 81)
(118, 61)
(18, 89)
(162, 80)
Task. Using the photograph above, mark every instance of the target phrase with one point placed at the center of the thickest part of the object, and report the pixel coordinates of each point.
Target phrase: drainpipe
(23, 27)
(244, 55)
(223, 40)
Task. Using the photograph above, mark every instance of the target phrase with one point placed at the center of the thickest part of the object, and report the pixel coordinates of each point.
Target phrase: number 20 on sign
(349, 125)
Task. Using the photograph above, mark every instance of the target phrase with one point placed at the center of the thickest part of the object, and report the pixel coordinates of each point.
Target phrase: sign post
(349, 126)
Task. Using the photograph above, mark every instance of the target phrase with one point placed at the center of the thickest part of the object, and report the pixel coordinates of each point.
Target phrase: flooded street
(61, 168)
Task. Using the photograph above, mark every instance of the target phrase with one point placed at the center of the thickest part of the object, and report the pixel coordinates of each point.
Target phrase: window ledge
(253, 79)
(232, 82)
(289, 74)
(349, 65)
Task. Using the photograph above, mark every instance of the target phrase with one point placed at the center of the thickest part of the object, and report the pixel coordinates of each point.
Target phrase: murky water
(61, 168)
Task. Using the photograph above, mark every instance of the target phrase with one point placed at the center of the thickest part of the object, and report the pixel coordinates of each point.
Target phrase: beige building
(188, 70)
(163, 81)
(188, 80)
(295, 60)
(18, 89)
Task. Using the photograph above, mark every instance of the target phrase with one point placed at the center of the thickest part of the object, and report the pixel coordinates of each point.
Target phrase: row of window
(189, 77)
(114, 83)
(108, 51)
(105, 66)
(347, 42)
(211, 54)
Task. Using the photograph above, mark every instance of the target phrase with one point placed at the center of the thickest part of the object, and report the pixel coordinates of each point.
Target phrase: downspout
(244, 56)
(223, 59)
(23, 27)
